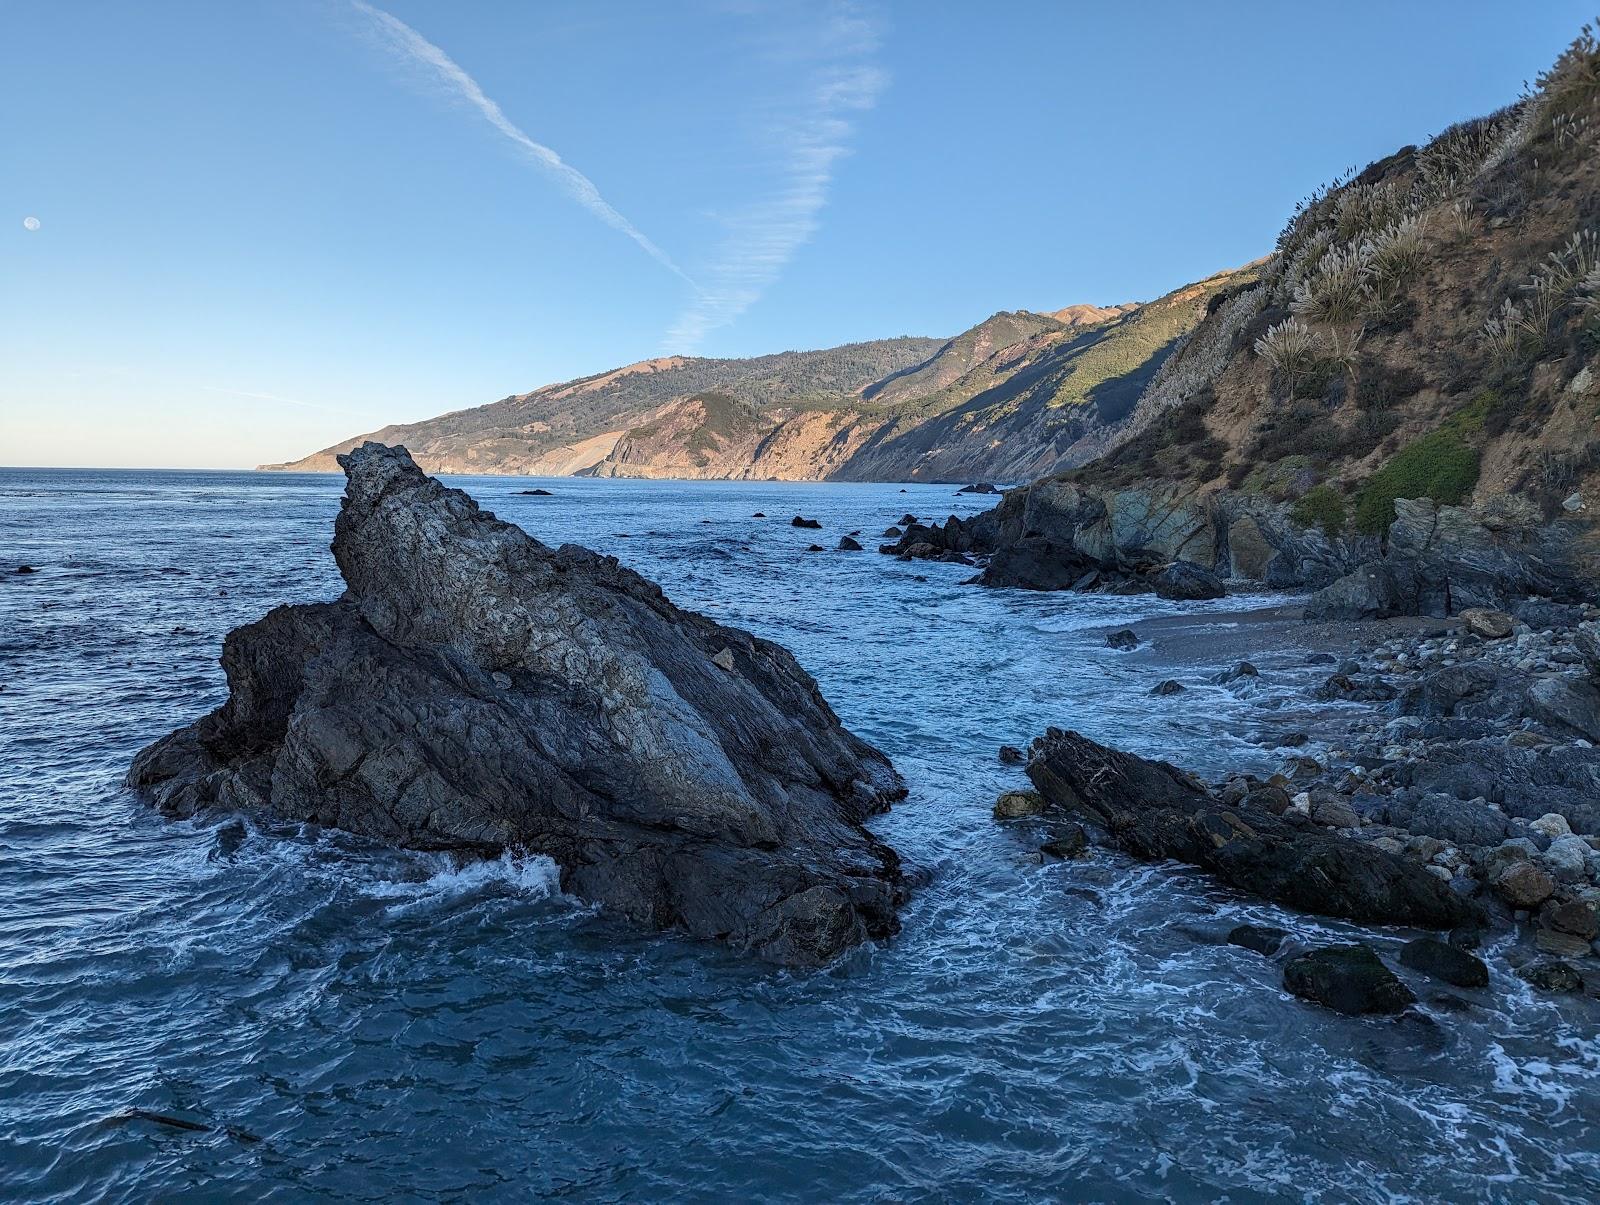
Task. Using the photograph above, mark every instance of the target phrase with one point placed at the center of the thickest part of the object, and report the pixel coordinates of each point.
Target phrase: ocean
(347, 1021)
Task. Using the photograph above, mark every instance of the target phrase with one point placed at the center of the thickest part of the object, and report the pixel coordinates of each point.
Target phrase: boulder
(846, 544)
(1012, 756)
(1552, 975)
(1014, 805)
(1155, 811)
(1348, 979)
(674, 791)
(981, 487)
(1070, 841)
(1185, 581)
(1441, 960)
(1170, 686)
(1374, 591)
(1523, 885)
(1487, 624)
(1577, 917)
(1125, 639)
(798, 521)
(1567, 705)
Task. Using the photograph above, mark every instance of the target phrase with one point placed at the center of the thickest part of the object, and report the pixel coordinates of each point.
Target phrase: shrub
(1573, 81)
(1321, 506)
(1291, 349)
(1336, 290)
(1441, 466)
(1396, 251)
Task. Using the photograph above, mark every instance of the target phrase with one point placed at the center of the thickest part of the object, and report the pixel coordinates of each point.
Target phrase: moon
(30, 223)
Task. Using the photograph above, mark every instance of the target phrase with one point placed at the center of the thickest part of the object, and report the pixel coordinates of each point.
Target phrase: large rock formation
(1153, 810)
(477, 690)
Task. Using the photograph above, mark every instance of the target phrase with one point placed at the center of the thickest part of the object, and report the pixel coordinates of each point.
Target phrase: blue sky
(262, 228)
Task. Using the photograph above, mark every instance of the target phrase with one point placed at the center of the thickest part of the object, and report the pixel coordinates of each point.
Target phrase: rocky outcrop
(1057, 534)
(1153, 810)
(1442, 560)
(477, 690)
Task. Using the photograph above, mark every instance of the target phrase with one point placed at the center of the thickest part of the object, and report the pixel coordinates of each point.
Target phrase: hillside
(1009, 398)
(1415, 368)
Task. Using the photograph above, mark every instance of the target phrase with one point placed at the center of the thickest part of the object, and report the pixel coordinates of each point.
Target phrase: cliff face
(1010, 398)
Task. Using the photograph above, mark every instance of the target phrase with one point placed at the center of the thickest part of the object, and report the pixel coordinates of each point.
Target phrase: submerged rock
(1441, 960)
(1348, 979)
(477, 690)
(1154, 810)
(1263, 939)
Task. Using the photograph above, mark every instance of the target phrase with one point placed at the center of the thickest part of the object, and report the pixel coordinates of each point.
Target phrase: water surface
(376, 1025)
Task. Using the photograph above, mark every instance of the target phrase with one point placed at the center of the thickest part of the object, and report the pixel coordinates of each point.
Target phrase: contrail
(761, 240)
(417, 48)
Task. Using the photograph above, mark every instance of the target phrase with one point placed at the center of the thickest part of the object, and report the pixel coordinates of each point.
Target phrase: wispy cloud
(842, 81)
(417, 50)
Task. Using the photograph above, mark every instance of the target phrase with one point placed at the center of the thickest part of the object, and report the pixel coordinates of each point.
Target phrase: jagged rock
(981, 487)
(1171, 686)
(1236, 672)
(1487, 624)
(798, 521)
(1441, 960)
(908, 520)
(1124, 640)
(1263, 939)
(1186, 581)
(675, 791)
(1566, 705)
(1348, 979)
(1153, 810)
(1374, 591)
(846, 544)
(1012, 756)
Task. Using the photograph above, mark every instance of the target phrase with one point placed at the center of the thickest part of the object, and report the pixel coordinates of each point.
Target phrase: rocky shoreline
(1459, 750)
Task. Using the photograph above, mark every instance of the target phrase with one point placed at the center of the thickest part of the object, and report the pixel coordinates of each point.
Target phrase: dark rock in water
(477, 690)
(1014, 805)
(26, 569)
(1322, 659)
(892, 533)
(982, 487)
(1441, 960)
(1552, 975)
(1125, 639)
(1011, 755)
(1263, 939)
(797, 521)
(1154, 811)
(759, 515)
(908, 520)
(816, 548)
(1170, 686)
(1070, 842)
(1348, 979)
(537, 493)
(1242, 670)
(846, 544)
(1036, 565)
(1186, 581)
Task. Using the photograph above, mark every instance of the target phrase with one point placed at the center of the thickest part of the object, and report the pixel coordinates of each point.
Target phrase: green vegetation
(1321, 506)
(1440, 465)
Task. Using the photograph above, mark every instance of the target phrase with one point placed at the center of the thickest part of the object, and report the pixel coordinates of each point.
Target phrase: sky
(237, 233)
